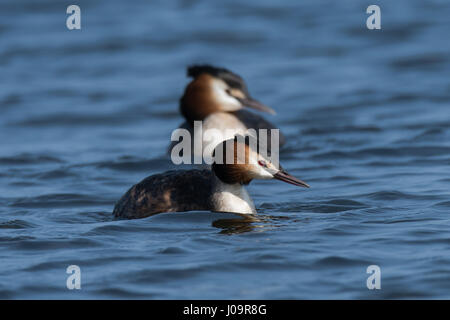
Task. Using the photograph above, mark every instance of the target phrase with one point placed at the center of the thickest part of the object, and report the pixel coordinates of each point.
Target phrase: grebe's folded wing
(255, 121)
(171, 191)
(185, 125)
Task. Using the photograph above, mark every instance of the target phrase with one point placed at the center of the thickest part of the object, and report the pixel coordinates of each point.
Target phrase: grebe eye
(262, 163)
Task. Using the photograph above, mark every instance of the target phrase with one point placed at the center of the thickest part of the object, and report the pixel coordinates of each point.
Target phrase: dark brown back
(171, 191)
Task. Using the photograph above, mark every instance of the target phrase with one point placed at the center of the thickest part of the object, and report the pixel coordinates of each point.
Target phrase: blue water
(86, 114)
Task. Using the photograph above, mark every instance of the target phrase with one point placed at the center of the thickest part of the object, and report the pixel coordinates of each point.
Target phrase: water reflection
(245, 223)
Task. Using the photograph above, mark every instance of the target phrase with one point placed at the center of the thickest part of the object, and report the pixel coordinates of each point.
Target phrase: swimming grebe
(220, 189)
(218, 97)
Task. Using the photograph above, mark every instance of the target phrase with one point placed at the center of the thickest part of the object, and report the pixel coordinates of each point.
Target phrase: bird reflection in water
(243, 223)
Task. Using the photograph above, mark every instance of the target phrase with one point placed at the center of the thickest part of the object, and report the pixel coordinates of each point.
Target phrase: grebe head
(215, 90)
(236, 162)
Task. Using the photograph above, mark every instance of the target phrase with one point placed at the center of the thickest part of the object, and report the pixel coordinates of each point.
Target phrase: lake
(87, 113)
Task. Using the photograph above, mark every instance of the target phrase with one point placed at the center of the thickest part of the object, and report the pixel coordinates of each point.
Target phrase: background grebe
(218, 97)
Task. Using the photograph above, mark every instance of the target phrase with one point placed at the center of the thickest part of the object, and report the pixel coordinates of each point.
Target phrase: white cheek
(262, 173)
(227, 102)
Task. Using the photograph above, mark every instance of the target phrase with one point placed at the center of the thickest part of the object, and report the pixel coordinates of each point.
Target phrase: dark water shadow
(245, 223)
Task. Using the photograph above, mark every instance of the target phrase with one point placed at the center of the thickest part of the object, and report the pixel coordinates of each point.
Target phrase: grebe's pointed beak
(254, 104)
(286, 177)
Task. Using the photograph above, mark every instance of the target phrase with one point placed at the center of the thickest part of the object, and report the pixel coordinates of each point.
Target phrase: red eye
(262, 163)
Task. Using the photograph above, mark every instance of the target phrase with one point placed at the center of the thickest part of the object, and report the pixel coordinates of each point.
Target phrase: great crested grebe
(221, 189)
(218, 98)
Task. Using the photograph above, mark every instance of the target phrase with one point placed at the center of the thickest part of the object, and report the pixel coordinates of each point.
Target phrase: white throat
(231, 198)
(218, 127)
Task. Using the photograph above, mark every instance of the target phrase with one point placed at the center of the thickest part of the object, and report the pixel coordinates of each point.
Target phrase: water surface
(86, 114)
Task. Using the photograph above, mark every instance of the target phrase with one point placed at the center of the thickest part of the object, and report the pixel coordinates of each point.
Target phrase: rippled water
(86, 114)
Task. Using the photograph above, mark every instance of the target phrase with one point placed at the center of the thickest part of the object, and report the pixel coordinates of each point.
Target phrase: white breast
(218, 127)
(231, 198)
